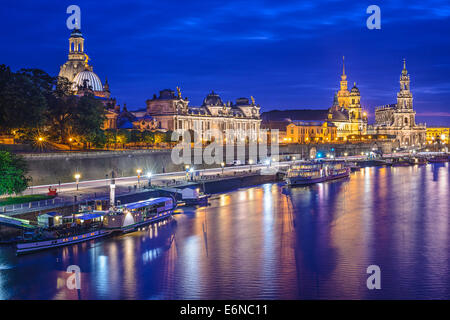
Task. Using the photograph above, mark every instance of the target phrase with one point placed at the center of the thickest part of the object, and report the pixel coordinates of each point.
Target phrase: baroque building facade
(399, 119)
(347, 113)
(172, 112)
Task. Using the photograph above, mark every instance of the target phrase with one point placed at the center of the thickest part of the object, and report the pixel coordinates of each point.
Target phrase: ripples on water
(268, 242)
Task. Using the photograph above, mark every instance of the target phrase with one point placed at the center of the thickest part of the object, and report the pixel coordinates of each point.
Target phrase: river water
(268, 242)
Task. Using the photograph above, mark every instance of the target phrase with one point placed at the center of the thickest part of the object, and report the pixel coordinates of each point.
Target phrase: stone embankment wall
(50, 168)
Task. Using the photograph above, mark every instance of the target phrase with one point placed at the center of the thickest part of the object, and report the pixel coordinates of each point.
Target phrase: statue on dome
(86, 60)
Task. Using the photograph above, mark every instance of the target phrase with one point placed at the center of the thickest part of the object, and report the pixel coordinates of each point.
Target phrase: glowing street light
(77, 177)
(139, 171)
(149, 176)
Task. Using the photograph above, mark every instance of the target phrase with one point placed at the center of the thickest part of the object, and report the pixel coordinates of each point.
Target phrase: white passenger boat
(131, 216)
(306, 174)
(32, 246)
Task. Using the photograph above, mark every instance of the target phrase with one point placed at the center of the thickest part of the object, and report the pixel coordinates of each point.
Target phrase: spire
(343, 65)
(106, 85)
(404, 71)
(343, 77)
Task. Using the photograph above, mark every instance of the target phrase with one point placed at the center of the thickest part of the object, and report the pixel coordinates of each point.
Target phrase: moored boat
(131, 216)
(418, 161)
(400, 163)
(33, 246)
(315, 173)
(79, 227)
(438, 159)
(353, 166)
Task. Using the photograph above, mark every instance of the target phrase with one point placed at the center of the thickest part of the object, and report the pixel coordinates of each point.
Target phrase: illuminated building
(346, 113)
(399, 119)
(78, 71)
(310, 132)
(172, 112)
(438, 135)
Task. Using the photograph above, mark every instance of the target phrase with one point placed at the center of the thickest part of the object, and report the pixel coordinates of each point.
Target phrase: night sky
(287, 54)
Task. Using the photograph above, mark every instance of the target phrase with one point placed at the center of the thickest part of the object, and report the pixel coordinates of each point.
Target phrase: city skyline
(154, 55)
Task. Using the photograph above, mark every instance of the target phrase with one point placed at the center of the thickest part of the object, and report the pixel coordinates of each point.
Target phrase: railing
(30, 205)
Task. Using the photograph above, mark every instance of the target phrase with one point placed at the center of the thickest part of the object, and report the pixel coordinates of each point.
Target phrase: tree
(60, 113)
(13, 170)
(88, 119)
(23, 98)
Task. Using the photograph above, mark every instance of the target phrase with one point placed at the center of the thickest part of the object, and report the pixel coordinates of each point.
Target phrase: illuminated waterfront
(268, 242)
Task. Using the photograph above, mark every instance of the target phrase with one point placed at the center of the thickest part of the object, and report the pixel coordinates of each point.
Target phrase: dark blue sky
(287, 54)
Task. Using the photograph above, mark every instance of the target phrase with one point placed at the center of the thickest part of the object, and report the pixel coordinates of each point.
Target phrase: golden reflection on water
(269, 242)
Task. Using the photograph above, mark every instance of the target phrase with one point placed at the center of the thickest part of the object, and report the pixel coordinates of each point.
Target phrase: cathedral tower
(405, 115)
(404, 96)
(343, 93)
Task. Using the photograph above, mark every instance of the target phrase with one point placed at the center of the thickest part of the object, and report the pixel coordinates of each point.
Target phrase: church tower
(404, 96)
(77, 59)
(354, 108)
(343, 93)
(404, 115)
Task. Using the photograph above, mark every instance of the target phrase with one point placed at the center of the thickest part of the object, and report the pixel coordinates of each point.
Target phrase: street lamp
(191, 171)
(77, 177)
(149, 176)
(139, 171)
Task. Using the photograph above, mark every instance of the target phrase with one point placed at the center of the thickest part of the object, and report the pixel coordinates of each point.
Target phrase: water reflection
(268, 242)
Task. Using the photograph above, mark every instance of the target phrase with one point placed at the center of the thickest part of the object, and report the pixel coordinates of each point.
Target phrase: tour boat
(32, 246)
(400, 163)
(353, 166)
(132, 216)
(372, 163)
(418, 161)
(58, 236)
(192, 197)
(315, 173)
(438, 159)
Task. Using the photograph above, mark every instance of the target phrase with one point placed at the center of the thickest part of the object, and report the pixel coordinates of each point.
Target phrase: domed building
(88, 78)
(79, 72)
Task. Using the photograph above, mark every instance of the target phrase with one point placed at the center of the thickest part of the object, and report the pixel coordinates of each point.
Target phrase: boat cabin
(50, 219)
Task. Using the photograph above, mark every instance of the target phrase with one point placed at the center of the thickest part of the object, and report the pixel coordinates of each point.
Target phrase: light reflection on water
(268, 242)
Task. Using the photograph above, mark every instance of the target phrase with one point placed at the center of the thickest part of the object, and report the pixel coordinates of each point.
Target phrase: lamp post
(186, 167)
(250, 162)
(149, 176)
(139, 171)
(191, 171)
(77, 177)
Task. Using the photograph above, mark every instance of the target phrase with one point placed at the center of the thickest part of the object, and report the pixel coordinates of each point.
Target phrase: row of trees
(122, 137)
(34, 104)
